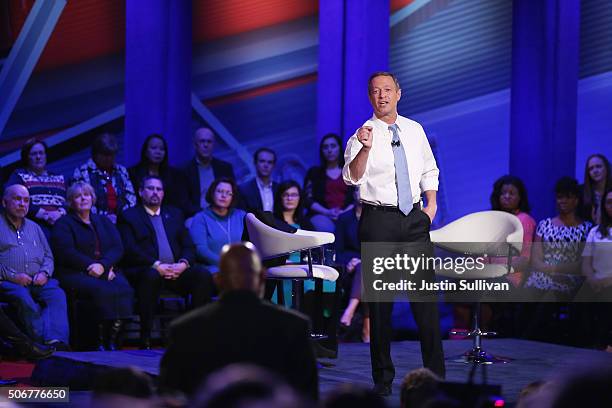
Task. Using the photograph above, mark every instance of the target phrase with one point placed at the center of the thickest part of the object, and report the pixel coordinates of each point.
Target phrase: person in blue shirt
(218, 224)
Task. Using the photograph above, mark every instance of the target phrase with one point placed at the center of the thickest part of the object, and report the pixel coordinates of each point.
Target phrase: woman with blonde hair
(87, 249)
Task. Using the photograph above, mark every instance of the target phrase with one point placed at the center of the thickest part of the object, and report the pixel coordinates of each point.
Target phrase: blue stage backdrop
(453, 59)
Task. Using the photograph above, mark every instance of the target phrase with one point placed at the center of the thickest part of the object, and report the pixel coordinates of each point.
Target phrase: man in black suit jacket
(202, 170)
(258, 194)
(159, 251)
(239, 328)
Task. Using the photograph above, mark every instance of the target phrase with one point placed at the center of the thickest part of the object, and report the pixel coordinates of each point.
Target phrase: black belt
(388, 208)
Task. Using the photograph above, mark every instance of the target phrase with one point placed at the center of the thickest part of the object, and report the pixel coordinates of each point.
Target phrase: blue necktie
(402, 179)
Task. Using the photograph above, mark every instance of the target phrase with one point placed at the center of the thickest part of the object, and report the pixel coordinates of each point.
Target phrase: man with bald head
(203, 170)
(239, 328)
(26, 269)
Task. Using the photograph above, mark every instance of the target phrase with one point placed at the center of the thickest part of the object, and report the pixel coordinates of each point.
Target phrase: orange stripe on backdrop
(264, 90)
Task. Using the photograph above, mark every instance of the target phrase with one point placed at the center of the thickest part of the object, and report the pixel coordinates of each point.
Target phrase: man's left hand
(178, 268)
(40, 279)
(430, 210)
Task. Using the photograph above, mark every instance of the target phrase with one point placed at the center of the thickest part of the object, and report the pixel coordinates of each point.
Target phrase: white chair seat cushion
(271, 242)
(481, 232)
(301, 272)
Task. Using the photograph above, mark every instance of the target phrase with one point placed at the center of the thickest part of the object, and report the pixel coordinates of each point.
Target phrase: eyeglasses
(224, 193)
(290, 195)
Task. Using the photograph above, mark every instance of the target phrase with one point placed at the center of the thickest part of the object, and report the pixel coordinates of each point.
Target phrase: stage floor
(531, 361)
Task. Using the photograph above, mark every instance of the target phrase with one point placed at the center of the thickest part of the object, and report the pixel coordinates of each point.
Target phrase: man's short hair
(150, 177)
(382, 73)
(77, 187)
(264, 149)
(418, 386)
(105, 144)
(5, 193)
(204, 127)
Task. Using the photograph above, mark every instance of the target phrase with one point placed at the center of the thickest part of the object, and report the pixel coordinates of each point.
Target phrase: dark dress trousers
(75, 248)
(347, 239)
(220, 169)
(348, 247)
(240, 328)
(377, 225)
(249, 198)
(141, 252)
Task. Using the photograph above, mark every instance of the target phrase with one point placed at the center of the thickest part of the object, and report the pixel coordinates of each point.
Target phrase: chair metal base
(479, 356)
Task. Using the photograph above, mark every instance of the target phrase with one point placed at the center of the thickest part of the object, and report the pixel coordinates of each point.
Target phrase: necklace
(228, 230)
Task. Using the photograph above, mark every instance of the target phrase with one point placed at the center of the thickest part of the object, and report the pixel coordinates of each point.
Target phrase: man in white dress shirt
(390, 159)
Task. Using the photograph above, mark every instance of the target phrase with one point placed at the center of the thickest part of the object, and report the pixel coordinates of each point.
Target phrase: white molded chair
(272, 243)
(490, 233)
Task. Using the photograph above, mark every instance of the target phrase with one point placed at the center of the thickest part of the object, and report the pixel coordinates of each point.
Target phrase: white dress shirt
(266, 194)
(377, 185)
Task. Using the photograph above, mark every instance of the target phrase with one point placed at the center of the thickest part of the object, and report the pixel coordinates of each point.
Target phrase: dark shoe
(113, 334)
(33, 351)
(382, 390)
(145, 343)
(101, 337)
(59, 345)
(324, 352)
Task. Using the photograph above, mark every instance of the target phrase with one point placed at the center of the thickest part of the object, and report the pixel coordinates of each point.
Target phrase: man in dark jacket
(202, 170)
(239, 328)
(159, 252)
(258, 194)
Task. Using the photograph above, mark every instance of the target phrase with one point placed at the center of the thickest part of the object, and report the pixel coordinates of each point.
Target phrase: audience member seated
(159, 252)
(26, 267)
(582, 387)
(348, 253)
(110, 181)
(288, 205)
(597, 179)
(354, 396)
(597, 268)
(218, 224)
(87, 249)
(154, 162)
(288, 208)
(419, 387)
(556, 260)
(258, 194)
(556, 268)
(245, 385)
(328, 196)
(123, 387)
(203, 170)
(22, 346)
(239, 328)
(47, 190)
(510, 195)
(533, 394)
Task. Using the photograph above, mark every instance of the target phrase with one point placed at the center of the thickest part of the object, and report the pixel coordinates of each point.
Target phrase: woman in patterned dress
(556, 256)
(556, 265)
